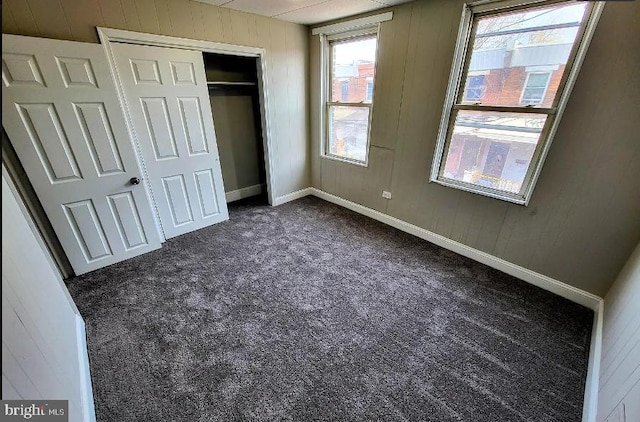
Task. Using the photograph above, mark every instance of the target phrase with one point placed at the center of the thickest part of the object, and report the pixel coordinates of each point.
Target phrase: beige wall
(620, 364)
(237, 138)
(286, 45)
(584, 218)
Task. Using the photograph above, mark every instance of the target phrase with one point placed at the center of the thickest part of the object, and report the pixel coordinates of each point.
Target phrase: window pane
(510, 47)
(348, 132)
(492, 149)
(353, 63)
(535, 88)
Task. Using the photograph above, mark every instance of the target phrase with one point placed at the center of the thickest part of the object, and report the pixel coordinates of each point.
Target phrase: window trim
(370, 31)
(455, 89)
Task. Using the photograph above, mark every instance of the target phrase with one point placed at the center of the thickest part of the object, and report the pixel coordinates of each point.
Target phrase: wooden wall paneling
(212, 23)
(198, 19)
(8, 21)
(227, 31)
(329, 180)
(392, 56)
(79, 15)
(16, 376)
(148, 16)
(240, 27)
(28, 355)
(45, 335)
(50, 21)
(112, 14)
(164, 16)
(131, 17)
(376, 178)
(417, 114)
(8, 392)
(181, 19)
(279, 95)
(620, 364)
(315, 106)
(22, 16)
(404, 193)
(297, 49)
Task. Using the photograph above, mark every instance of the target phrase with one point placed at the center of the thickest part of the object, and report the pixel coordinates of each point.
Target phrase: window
(535, 87)
(351, 72)
(513, 69)
(475, 88)
(369, 97)
(344, 91)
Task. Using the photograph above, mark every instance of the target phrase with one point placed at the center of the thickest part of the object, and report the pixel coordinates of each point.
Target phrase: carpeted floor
(309, 311)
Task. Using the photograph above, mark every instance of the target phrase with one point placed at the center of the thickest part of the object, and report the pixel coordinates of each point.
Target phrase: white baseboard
(88, 408)
(292, 196)
(592, 383)
(547, 283)
(247, 192)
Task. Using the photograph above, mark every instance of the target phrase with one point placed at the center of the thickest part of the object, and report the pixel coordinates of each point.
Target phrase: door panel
(168, 99)
(60, 110)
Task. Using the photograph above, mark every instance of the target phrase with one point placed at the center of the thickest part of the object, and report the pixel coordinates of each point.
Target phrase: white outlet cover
(386, 194)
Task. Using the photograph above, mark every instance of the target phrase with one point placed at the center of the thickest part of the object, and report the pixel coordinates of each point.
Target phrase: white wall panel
(620, 364)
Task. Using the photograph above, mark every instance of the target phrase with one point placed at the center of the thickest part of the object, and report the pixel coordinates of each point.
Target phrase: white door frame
(110, 35)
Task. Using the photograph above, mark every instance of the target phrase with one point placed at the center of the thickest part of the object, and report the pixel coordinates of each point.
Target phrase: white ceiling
(306, 12)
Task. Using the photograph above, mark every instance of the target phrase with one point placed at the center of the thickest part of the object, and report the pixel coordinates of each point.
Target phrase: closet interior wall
(233, 92)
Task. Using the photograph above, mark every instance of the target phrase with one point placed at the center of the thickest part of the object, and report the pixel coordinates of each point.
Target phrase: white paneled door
(61, 111)
(168, 101)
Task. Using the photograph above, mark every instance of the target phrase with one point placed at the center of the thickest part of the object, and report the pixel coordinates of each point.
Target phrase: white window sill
(345, 160)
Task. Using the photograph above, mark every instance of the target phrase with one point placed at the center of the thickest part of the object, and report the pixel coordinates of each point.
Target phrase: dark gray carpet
(309, 311)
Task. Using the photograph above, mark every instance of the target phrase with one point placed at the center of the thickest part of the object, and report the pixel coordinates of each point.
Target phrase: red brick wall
(504, 86)
(357, 86)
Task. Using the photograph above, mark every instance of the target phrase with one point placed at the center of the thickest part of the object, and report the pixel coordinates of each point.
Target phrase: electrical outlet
(617, 415)
(386, 195)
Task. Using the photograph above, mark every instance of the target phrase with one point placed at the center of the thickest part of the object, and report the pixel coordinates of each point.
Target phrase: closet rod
(223, 83)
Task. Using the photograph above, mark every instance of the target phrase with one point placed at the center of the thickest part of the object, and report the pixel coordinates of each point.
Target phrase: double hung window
(514, 66)
(349, 94)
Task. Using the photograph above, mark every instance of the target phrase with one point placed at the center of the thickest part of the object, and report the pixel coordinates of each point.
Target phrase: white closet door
(61, 111)
(168, 101)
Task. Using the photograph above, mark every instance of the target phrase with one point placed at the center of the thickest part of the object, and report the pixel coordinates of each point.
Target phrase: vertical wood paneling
(212, 23)
(620, 365)
(39, 339)
(148, 16)
(392, 56)
(22, 15)
(240, 27)
(8, 21)
(164, 18)
(225, 21)
(112, 14)
(49, 20)
(198, 21)
(16, 376)
(582, 221)
(130, 13)
(8, 392)
(78, 13)
(286, 46)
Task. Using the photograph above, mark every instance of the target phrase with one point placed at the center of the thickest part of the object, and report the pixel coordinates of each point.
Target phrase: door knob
(134, 181)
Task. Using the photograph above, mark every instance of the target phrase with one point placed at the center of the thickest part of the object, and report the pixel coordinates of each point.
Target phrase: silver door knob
(134, 181)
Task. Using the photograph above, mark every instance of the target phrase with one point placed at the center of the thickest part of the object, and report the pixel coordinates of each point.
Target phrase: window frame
(549, 74)
(454, 99)
(327, 40)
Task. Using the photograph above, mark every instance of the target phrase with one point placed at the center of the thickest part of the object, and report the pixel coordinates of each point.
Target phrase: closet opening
(235, 106)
